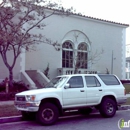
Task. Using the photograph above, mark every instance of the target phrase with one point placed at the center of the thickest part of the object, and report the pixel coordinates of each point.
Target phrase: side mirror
(67, 86)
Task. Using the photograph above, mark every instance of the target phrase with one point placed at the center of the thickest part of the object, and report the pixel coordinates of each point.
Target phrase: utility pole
(112, 63)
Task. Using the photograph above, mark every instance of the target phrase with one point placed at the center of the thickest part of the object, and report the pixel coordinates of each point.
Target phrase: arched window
(82, 56)
(67, 55)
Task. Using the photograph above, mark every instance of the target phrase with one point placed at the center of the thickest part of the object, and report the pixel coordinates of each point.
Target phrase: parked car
(80, 91)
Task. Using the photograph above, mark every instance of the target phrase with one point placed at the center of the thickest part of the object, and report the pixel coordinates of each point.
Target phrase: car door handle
(100, 89)
(81, 90)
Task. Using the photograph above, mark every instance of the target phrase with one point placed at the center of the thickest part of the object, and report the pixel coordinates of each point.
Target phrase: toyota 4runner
(80, 91)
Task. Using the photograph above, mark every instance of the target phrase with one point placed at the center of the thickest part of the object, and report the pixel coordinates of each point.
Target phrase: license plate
(21, 106)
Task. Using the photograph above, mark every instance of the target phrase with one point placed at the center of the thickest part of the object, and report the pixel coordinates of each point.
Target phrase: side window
(109, 79)
(76, 82)
(92, 81)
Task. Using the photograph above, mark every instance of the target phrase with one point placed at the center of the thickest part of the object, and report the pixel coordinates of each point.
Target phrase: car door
(94, 90)
(75, 95)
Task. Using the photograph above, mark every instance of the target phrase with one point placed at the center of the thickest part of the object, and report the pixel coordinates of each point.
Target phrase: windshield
(55, 82)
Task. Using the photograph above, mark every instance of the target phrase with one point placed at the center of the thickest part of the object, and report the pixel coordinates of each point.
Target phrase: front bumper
(27, 106)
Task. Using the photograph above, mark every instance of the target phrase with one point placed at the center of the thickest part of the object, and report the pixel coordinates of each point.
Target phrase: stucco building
(99, 46)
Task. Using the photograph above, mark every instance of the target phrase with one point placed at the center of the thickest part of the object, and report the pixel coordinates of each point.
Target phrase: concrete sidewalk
(6, 103)
(19, 118)
(12, 118)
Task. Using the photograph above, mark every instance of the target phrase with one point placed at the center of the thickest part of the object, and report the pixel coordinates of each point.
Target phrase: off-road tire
(108, 107)
(47, 114)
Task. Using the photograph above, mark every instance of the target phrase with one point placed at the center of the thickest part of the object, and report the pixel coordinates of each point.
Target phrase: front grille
(20, 98)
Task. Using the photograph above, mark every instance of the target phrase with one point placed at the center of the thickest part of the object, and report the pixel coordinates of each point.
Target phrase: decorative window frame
(66, 63)
(76, 37)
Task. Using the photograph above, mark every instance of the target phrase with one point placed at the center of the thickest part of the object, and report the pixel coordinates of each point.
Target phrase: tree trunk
(76, 67)
(75, 70)
(10, 77)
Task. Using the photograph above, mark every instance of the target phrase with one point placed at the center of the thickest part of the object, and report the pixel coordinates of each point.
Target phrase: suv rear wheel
(107, 107)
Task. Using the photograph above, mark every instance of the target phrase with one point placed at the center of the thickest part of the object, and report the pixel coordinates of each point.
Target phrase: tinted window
(56, 81)
(92, 81)
(76, 82)
(109, 79)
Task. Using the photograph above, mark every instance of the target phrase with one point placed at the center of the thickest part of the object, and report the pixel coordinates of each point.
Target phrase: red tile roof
(127, 25)
(93, 18)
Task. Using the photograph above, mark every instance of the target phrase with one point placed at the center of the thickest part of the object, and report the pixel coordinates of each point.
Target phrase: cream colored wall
(107, 36)
(16, 70)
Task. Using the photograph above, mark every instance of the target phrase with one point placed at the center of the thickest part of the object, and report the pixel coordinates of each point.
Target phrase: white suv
(80, 91)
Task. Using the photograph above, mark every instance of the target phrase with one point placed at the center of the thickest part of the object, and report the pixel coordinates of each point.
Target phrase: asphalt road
(78, 122)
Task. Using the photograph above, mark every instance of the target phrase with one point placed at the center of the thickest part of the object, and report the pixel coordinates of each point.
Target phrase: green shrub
(2, 86)
(17, 87)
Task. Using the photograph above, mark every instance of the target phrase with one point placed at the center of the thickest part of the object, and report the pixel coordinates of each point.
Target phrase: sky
(112, 10)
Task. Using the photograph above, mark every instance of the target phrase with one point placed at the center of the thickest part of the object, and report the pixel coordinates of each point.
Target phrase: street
(77, 122)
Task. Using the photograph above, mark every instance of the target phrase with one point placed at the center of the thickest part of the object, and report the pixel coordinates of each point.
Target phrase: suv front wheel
(47, 114)
(107, 107)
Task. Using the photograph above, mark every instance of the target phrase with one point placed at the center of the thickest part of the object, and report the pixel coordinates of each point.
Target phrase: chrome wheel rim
(109, 108)
(47, 114)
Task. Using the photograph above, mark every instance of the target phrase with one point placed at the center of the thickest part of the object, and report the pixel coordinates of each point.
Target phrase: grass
(127, 88)
(8, 110)
(127, 102)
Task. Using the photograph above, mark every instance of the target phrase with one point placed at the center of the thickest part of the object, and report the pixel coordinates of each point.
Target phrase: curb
(124, 107)
(19, 118)
(10, 119)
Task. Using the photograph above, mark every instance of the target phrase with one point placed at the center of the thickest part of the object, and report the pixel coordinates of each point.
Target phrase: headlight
(30, 97)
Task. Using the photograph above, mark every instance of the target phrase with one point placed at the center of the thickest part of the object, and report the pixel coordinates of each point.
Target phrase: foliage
(127, 102)
(107, 71)
(82, 61)
(17, 20)
(17, 86)
(46, 71)
(83, 55)
(125, 81)
(127, 88)
(2, 86)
